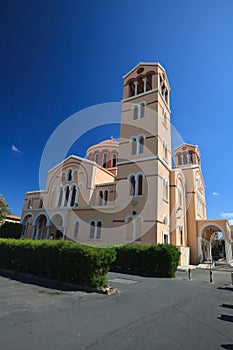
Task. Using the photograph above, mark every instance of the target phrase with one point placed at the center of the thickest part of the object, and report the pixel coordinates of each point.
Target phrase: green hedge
(58, 260)
(155, 260)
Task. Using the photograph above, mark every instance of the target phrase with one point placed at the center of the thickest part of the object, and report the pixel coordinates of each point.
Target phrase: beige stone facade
(129, 191)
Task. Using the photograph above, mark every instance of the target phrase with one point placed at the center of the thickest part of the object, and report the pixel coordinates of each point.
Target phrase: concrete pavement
(148, 313)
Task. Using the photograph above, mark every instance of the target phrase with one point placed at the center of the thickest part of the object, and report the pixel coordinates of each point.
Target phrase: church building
(131, 191)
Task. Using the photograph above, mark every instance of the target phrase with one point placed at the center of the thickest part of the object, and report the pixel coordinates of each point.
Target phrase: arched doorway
(56, 227)
(27, 222)
(214, 242)
(41, 225)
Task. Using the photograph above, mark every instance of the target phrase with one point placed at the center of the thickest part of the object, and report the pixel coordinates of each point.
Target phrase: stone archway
(207, 233)
(56, 230)
(41, 226)
(27, 223)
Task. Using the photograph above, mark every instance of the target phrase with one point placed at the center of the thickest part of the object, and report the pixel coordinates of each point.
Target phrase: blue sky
(58, 57)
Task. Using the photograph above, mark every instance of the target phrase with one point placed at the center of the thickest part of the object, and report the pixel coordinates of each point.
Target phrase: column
(70, 197)
(64, 233)
(34, 229)
(63, 197)
(135, 88)
(47, 232)
(228, 250)
(76, 197)
(199, 249)
(144, 81)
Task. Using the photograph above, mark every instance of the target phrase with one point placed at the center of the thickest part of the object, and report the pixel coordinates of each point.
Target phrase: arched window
(180, 198)
(95, 229)
(165, 189)
(96, 157)
(190, 158)
(105, 197)
(136, 184)
(114, 160)
(104, 163)
(142, 109)
(165, 150)
(134, 145)
(165, 220)
(133, 228)
(135, 112)
(181, 234)
(76, 229)
(179, 159)
(92, 229)
(73, 196)
(140, 181)
(141, 144)
(67, 195)
(69, 176)
(132, 185)
(129, 228)
(98, 229)
(101, 196)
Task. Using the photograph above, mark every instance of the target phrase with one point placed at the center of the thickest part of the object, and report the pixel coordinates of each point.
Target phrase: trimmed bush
(155, 260)
(11, 230)
(58, 260)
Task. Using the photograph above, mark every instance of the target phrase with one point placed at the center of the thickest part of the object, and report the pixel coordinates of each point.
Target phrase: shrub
(11, 230)
(58, 260)
(156, 260)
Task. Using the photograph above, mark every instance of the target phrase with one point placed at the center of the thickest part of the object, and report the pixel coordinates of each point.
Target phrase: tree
(11, 230)
(4, 210)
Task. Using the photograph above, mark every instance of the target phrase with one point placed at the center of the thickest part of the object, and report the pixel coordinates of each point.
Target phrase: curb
(54, 284)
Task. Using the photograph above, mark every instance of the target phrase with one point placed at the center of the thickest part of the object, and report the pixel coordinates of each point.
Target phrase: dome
(104, 153)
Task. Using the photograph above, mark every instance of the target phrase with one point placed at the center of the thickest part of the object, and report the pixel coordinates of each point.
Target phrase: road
(148, 313)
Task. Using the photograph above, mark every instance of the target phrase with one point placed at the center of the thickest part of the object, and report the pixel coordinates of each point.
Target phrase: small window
(105, 197)
(114, 160)
(30, 202)
(166, 238)
(141, 144)
(97, 157)
(142, 110)
(180, 199)
(73, 196)
(134, 145)
(101, 196)
(140, 182)
(181, 234)
(165, 150)
(67, 196)
(165, 189)
(92, 229)
(69, 175)
(76, 229)
(132, 185)
(165, 220)
(135, 112)
(98, 229)
(105, 160)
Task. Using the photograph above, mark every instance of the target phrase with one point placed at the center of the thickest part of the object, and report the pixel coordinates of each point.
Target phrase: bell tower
(145, 149)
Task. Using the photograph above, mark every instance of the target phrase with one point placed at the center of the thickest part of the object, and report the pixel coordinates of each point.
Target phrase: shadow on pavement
(227, 318)
(226, 288)
(228, 306)
(227, 346)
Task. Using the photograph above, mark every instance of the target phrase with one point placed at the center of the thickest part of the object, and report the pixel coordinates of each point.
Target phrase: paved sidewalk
(147, 314)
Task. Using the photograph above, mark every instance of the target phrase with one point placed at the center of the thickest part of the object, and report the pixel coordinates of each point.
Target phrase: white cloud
(15, 149)
(215, 194)
(227, 215)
